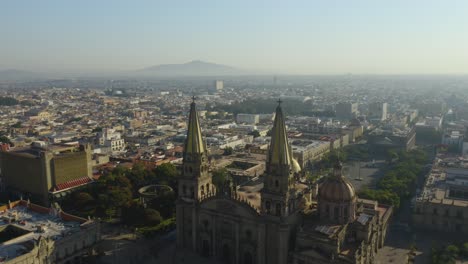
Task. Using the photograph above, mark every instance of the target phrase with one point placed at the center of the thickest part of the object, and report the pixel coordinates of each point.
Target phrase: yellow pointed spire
(194, 142)
(279, 152)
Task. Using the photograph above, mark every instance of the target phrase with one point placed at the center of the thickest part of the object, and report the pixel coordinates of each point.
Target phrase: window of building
(276, 183)
(434, 212)
(248, 234)
(278, 209)
(267, 206)
(459, 213)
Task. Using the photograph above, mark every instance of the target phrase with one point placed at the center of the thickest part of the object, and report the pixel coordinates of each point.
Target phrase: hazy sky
(306, 37)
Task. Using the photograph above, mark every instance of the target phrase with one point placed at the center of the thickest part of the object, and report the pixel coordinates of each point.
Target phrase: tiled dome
(337, 188)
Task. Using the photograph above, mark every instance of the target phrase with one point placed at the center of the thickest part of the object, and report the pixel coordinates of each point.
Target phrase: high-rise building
(346, 110)
(378, 111)
(272, 220)
(218, 85)
(42, 172)
(250, 119)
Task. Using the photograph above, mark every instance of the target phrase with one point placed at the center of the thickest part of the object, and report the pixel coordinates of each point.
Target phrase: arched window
(207, 188)
(345, 211)
(278, 209)
(336, 212)
(190, 169)
(276, 183)
(205, 248)
(202, 190)
(192, 191)
(248, 234)
(248, 259)
(267, 206)
(226, 254)
(184, 189)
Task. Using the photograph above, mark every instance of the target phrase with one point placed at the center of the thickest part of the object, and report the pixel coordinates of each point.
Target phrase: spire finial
(279, 101)
(193, 98)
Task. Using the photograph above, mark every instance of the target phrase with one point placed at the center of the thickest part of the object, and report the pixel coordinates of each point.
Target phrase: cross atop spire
(193, 98)
(194, 142)
(279, 152)
(279, 101)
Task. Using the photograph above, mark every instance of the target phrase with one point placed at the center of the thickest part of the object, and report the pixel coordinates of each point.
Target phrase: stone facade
(266, 222)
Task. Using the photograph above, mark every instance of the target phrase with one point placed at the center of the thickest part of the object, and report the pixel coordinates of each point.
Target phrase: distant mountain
(15, 75)
(193, 68)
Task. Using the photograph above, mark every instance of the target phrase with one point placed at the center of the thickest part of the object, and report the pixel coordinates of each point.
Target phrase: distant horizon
(248, 72)
(292, 38)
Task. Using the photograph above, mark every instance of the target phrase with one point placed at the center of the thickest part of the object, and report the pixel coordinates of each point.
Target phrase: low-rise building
(442, 205)
(34, 234)
(307, 151)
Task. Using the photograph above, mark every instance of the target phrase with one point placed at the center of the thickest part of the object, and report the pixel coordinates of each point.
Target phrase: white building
(251, 119)
(112, 139)
(218, 85)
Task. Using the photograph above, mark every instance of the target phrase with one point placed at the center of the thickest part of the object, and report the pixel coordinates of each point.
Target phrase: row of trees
(8, 101)
(267, 106)
(400, 180)
(115, 195)
(449, 254)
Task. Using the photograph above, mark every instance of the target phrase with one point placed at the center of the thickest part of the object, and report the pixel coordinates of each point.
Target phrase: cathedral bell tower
(195, 182)
(277, 198)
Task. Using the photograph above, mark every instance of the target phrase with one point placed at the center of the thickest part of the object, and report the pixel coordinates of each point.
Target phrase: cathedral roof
(336, 188)
(194, 142)
(279, 152)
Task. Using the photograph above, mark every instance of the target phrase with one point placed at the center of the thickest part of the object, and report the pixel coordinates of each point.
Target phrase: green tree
(17, 125)
(255, 133)
(164, 203)
(392, 156)
(152, 217)
(219, 177)
(82, 199)
(5, 139)
(166, 173)
(228, 151)
(464, 250)
(138, 175)
(8, 101)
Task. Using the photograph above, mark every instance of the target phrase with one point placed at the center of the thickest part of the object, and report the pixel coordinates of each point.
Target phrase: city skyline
(358, 37)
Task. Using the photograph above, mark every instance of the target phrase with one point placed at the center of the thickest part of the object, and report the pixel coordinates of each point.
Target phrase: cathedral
(276, 219)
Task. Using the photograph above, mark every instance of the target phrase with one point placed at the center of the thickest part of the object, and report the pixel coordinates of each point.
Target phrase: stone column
(283, 239)
(237, 260)
(213, 236)
(261, 244)
(179, 225)
(194, 228)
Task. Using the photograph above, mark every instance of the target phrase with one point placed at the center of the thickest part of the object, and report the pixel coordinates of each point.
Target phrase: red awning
(72, 184)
